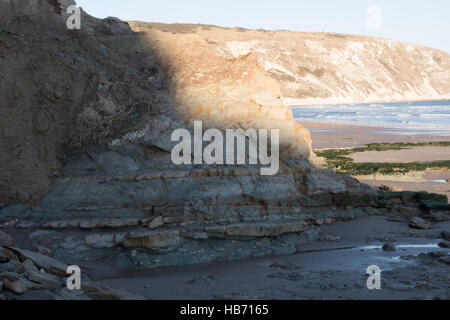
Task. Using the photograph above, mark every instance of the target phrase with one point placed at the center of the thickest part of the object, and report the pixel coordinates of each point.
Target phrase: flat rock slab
(42, 261)
(419, 223)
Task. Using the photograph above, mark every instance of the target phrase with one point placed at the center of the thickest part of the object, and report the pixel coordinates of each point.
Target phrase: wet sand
(416, 154)
(325, 136)
(320, 270)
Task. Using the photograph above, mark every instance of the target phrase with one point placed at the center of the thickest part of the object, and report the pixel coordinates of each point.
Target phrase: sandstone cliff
(323, 67)
(62, 90)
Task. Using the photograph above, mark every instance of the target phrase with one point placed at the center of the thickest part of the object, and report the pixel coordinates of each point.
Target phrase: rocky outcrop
(67, 89)
(224, 93)
(27, 275)
(59, 90)
(184, 228)
(315, 68)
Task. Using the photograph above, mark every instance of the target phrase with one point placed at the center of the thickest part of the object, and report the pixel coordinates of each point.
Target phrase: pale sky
(425, 22)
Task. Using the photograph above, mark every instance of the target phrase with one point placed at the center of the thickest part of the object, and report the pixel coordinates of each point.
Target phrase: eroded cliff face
(323, 67)
(63, 90)
(224, 92)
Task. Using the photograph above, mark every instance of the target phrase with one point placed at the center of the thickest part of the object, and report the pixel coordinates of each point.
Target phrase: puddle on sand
(323, 130)
(436, 181)
(374, 247)
(402, 246)
(406, 249)
(359, 257)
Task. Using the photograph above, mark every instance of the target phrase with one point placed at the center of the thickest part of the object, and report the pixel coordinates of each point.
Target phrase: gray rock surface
(419, 223)
(49, 282)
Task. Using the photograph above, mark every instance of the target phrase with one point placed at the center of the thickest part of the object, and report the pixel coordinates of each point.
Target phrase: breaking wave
(432, 117)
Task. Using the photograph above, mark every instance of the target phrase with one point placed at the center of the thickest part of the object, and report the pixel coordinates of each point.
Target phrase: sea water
(423, 118)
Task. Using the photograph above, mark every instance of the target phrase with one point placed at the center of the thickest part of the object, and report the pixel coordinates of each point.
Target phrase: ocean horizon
(419, 117)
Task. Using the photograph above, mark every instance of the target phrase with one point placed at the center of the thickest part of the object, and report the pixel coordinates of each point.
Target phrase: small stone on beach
(419, 223)
(444, 244)
(389, 247)
(445, 235)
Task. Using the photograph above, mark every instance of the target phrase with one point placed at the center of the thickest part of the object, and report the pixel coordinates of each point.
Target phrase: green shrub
(338, 160)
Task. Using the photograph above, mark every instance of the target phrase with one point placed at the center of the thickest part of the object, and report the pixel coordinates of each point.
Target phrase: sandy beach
(415, 154)
(326, 136)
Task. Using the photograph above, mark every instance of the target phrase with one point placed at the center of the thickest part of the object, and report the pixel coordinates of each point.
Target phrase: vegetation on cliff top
(338, 160)
(175, 28)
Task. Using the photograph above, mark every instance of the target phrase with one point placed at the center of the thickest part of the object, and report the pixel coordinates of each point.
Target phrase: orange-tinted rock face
(66, 88)
(225, 92)
(319, 67)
